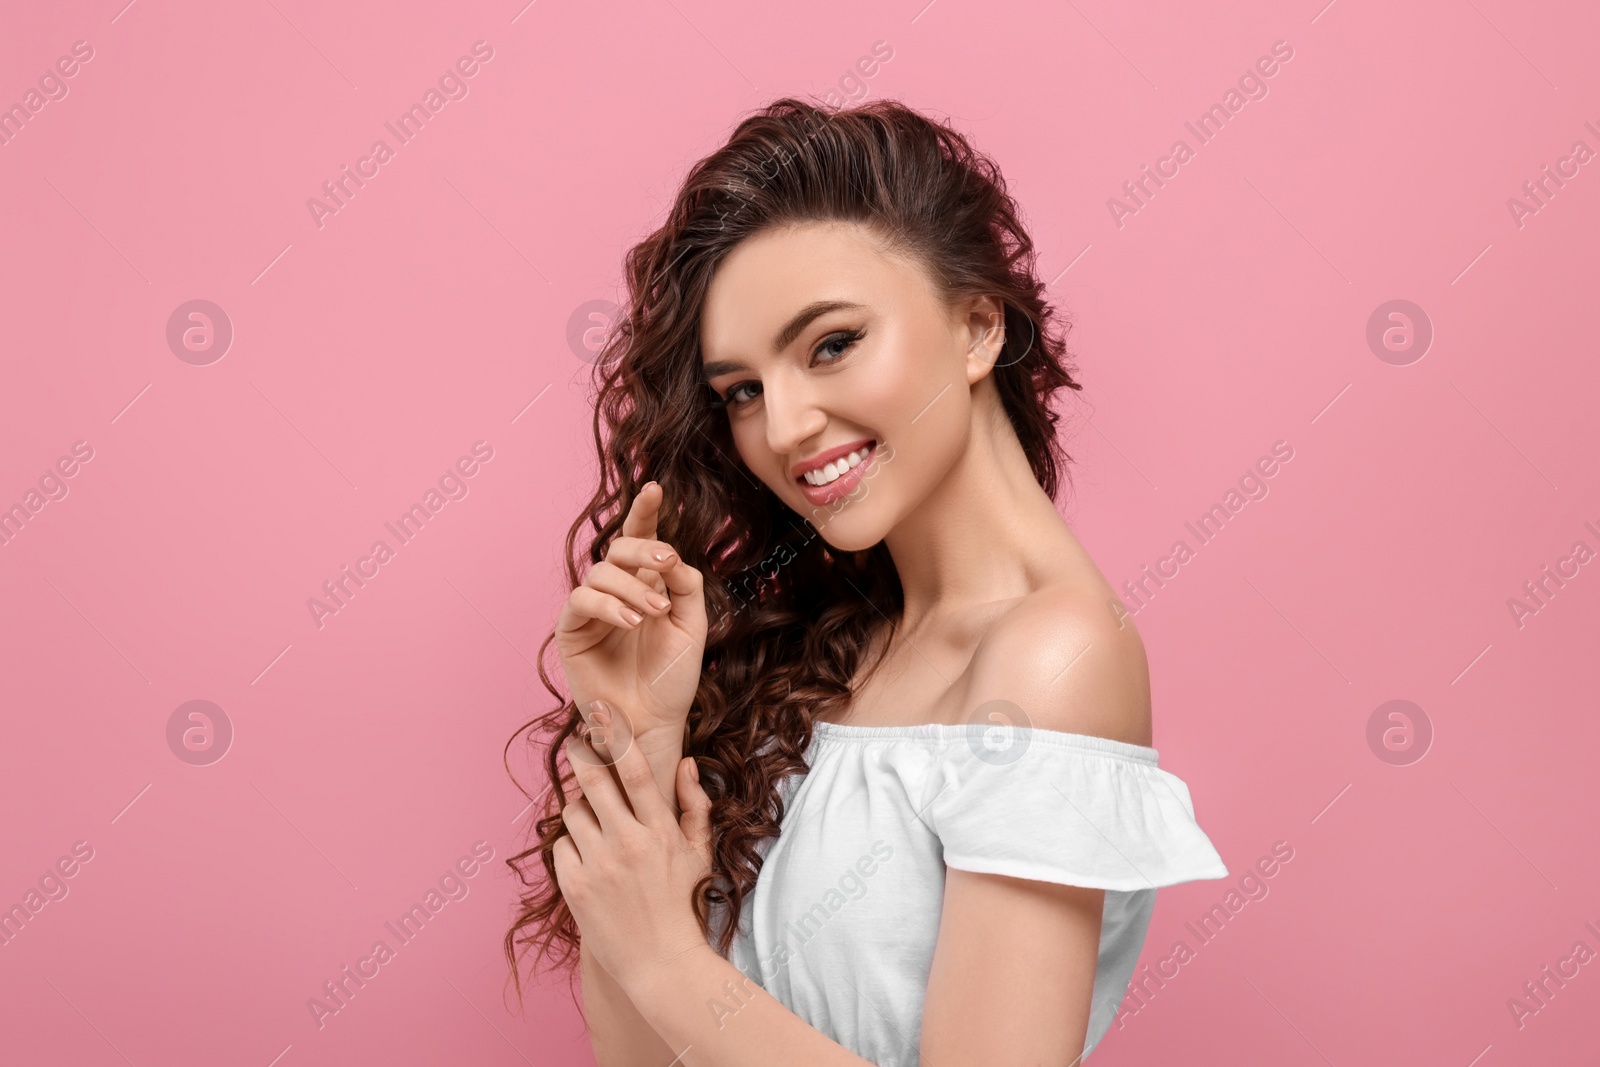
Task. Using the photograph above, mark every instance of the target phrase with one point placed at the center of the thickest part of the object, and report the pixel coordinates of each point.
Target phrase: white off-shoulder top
(841, 925)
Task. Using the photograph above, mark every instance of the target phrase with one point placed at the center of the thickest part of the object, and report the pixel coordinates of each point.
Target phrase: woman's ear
(986, 337)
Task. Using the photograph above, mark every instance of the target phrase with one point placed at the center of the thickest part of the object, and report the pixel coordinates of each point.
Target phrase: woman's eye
(830, 351)
(842, 340)
(736, 397)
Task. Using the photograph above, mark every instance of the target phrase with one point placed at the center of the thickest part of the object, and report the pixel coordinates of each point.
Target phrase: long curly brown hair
(790, 620)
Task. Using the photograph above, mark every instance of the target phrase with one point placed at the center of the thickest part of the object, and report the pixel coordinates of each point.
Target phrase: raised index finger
(641, 522)
(642, 513)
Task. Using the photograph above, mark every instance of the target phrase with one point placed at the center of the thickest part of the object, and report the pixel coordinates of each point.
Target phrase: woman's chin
(855, 521)
(850, 533)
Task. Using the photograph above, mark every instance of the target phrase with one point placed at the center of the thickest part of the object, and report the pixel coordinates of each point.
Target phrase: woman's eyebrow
(721, 366)
(803, 318)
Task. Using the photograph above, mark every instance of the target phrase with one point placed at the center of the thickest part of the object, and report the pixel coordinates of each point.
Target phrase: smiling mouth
(839, 479)
(830, 473)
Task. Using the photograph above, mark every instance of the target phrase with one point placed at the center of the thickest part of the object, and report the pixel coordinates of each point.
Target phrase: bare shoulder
(1072, 660)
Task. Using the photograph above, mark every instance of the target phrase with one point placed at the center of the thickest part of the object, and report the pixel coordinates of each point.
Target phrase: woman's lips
(841, 486)
(831, 455)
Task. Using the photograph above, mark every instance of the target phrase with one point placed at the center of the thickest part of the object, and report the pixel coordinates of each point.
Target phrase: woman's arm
(1016, 991)
(626, 868)
(619, 1034)
(1012, 977)
(1012, 991)
(1013, 971)
(712, 1015)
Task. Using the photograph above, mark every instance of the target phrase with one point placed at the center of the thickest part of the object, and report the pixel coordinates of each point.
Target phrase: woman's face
(846, 379)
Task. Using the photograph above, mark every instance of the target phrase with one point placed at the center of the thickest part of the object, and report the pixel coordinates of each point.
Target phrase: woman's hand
(623, 641)
(627, 867)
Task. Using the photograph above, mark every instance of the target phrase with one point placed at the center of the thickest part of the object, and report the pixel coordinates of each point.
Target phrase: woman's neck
(987, 532)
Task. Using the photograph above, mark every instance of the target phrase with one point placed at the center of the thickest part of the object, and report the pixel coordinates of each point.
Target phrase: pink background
(1228, 313)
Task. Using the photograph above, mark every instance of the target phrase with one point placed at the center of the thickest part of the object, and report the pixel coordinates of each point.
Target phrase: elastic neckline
(942, 732)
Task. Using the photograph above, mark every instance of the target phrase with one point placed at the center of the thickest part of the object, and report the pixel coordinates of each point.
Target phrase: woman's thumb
(695, 822)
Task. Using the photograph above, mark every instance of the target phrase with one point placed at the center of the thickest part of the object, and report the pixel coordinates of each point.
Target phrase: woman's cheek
(748, 444)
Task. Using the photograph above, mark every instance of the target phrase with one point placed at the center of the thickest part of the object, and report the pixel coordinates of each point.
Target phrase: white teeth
(832, 471)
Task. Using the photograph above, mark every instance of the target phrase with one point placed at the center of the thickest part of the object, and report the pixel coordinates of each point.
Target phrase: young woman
(868, 775)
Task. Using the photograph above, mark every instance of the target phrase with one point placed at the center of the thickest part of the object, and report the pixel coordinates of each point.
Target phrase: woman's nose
(793, 417)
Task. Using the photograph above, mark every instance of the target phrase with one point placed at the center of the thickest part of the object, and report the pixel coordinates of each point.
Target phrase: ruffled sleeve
(1065, 808)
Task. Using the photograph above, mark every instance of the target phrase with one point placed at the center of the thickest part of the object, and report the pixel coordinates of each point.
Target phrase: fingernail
(632, 616)
(659, 602)
(694, 768)
(602, 720)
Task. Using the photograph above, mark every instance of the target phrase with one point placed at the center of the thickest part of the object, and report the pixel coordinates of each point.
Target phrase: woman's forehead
(769, 281)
